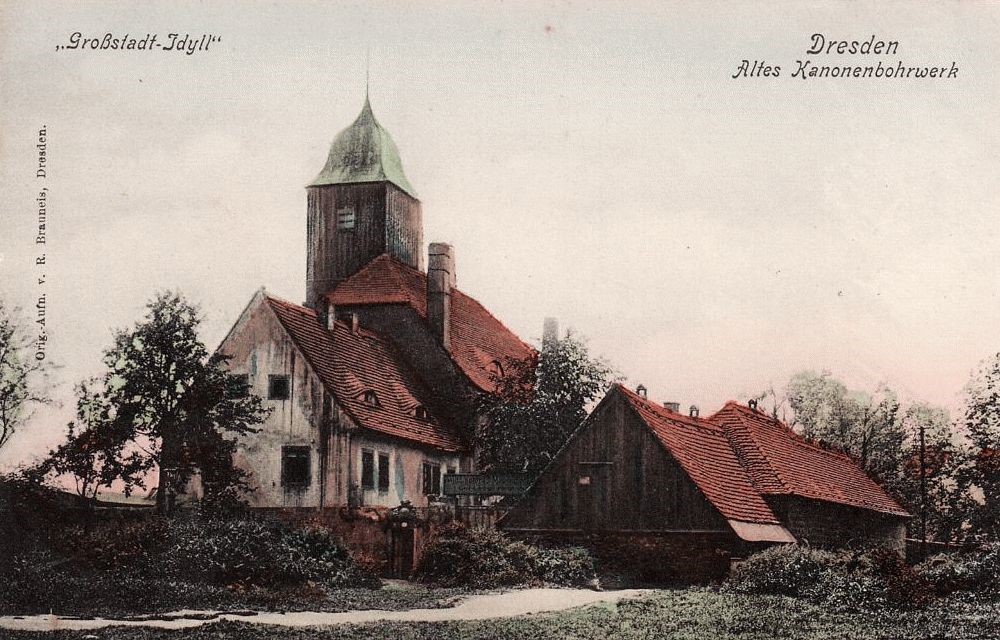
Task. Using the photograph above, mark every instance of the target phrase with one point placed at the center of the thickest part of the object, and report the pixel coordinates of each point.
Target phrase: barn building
(373, 381)
(698, 492)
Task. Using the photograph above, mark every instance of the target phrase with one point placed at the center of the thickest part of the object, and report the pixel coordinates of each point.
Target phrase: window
(295, 470)
(421, 413)
(345, 218)
(277, 387)
(432, 479)
(383, 472)
(370, 399)
(237, 385)
(367, 469)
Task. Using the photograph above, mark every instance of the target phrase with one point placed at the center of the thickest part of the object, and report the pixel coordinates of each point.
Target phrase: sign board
(486, 484)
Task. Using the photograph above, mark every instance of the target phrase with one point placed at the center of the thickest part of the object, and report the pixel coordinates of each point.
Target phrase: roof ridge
(398, 265)
(662, 412)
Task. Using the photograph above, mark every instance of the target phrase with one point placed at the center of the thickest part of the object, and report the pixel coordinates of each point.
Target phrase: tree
(982, 426)
(174, 401)
(95, 453)
(866, 426)
(929, 483)
(886, 442)
(538, 404)
(23, 375)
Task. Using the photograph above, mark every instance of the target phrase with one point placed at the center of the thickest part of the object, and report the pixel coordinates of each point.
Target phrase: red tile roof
(704, 452)
(478, 339)
(351, 363)
(781, 462)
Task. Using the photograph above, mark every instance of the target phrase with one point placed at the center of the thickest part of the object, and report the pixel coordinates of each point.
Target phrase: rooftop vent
(641, 390)
(693, 411)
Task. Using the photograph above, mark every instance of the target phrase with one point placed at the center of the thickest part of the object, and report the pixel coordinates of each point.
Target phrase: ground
(689, 614)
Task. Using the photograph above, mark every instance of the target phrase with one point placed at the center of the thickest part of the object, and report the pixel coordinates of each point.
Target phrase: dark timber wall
(829, 525)
(387, 220)
(615, 476)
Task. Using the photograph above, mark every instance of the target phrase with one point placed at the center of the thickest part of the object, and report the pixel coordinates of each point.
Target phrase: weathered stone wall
(259, 347)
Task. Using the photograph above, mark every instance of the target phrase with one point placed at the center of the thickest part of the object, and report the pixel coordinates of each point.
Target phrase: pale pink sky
(711, 236)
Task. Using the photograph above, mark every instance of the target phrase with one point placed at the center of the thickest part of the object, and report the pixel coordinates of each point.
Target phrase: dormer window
(421, 413)
(370, 399)
(345, 218)
(495, 368)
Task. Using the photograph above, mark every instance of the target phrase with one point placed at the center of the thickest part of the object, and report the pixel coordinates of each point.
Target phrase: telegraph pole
(923, 496)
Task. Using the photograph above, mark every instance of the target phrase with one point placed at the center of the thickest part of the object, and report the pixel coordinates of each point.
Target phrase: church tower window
(345, 218)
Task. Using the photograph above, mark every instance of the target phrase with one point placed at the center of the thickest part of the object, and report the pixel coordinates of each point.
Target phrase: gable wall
(642, 489)
(259, 348)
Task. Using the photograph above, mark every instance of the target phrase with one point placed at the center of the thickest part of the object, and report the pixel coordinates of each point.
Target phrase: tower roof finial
(368, 64)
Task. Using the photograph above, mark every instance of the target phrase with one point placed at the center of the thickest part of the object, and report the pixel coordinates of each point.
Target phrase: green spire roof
(364, 152)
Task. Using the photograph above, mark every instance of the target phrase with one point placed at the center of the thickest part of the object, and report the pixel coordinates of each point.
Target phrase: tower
(360, 206)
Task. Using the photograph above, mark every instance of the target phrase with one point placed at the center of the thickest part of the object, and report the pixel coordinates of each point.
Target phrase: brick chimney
(672, 407)
(440, 282)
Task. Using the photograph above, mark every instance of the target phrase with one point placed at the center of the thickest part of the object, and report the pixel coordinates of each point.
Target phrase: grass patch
(691, 614)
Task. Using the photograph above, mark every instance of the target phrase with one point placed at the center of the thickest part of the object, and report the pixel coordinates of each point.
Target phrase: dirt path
(499, 605)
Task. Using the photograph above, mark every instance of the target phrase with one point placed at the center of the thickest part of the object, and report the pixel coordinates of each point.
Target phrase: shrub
(156, 564)
(845, 580)
(784, 571)
(569, 566)
(977, 571)
(486, 558)
(256, 551)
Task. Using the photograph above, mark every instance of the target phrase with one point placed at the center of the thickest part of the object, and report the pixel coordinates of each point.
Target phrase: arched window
(370, 398)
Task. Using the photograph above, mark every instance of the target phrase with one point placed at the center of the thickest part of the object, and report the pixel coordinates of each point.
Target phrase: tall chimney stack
(550, 333)
(440, 282)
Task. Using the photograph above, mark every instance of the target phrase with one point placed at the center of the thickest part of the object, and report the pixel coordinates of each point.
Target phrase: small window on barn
(345, 218)
(383, 473)
(371, 399)
(295, 471)
(367, 469)
(277, 387)
(237, 385)
(432, 479)
(421, 413)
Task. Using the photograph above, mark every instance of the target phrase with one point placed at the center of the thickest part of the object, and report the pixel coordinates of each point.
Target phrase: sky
(596, 162)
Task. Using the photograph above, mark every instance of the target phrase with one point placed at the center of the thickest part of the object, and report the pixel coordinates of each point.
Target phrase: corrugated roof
(781, 462)
(478, 339)
(364, 152)
(349, 364)
(703, 451)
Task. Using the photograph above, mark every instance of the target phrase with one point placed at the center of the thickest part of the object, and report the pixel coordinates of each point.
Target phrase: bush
(157, 563)
(486, 558)
(846, 580)
(977, 571)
